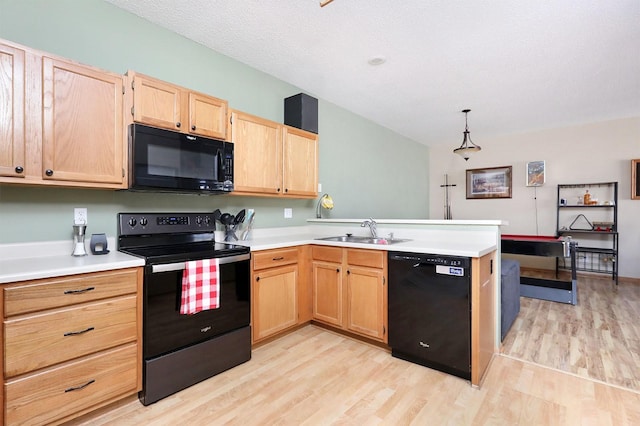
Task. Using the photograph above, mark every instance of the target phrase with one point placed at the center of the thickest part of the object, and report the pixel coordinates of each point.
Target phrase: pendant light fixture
(467, 147)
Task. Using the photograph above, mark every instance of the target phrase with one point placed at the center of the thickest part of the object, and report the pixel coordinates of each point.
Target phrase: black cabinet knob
(178, 124)
(193, 127)
(48, 172)
(337, 269)
(257, 278)
(19, 169)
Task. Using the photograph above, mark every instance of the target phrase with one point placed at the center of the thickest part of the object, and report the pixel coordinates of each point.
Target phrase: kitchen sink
(363, 240)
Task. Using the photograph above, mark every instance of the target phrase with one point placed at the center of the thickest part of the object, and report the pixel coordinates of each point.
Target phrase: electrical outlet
(288, 213)
(319, 187)
(80, 216)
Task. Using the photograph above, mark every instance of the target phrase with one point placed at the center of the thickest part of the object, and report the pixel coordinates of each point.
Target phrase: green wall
(368, 169)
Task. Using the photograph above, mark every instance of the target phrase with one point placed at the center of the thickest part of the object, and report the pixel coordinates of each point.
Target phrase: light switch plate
(288, 213)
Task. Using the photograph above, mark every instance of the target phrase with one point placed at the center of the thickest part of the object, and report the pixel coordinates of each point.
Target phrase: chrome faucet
(372, 227)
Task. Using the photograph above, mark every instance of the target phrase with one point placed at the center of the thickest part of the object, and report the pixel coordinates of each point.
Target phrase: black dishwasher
(430, 311)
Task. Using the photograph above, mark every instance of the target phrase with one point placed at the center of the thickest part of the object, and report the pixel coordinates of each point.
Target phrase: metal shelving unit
(594, 226)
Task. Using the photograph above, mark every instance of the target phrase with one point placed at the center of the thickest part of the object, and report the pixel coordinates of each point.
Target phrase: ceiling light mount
(467, 148)
(377, 60)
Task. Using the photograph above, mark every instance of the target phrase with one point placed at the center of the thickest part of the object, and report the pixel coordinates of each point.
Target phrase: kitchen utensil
(225, 219)
(240, 217)
(216, 218)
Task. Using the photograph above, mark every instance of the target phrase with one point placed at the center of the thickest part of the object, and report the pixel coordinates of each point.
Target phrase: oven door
(166, 330)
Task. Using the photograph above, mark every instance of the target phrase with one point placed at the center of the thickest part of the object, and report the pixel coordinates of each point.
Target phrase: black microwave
(164, 160)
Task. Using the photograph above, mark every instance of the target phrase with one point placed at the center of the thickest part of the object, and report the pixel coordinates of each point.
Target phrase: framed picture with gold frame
(493, 182)
(635, 179)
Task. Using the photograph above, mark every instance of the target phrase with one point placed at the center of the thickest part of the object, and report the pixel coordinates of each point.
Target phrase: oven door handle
(178, 266)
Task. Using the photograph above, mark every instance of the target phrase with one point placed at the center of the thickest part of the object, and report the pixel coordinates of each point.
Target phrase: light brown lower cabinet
(349, 290)
(277, 292)
(70, 345)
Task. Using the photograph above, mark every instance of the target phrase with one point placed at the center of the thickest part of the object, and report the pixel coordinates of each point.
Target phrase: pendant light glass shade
(467, 147)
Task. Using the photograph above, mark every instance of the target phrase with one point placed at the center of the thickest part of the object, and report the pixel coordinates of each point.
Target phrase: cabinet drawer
(41, 340)
(272, 258)
(327, 254)
(38, 295)
(56, 393)
(370, 258)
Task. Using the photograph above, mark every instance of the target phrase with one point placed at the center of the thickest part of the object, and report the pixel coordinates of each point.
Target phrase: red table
(540, 245)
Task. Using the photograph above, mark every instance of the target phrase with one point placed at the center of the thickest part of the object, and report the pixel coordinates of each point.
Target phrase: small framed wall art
(635, 179)
(535, 173)
(493, 182)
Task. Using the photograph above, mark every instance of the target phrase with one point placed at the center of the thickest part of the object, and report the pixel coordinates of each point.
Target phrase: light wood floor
(599, 338)
(316, 377)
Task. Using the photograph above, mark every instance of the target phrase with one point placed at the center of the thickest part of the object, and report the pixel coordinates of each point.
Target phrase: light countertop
(29, 261)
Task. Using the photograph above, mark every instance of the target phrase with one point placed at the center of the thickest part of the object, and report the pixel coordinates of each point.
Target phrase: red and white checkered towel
(200, 286)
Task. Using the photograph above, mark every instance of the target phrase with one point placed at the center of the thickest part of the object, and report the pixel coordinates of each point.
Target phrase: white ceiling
(519, 65)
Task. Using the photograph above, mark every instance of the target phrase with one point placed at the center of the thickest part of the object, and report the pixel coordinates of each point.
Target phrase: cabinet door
(207, 116)
(156, 103)
(257, 154)
(300, 173)
(12, 149)
(83, 139)
(366, 297)
(275, 301)
(327, 293)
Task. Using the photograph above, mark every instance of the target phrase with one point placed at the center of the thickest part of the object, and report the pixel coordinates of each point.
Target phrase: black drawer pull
(75, 388)
(278, 258)
(84, 290)
(75, 333)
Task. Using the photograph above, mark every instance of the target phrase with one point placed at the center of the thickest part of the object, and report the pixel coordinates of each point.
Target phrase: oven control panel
(164, 223)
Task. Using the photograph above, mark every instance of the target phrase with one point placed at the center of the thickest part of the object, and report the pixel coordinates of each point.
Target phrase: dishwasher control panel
(431, 259)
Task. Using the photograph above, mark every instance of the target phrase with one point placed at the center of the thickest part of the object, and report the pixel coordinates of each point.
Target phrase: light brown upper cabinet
(168, 106)
(271, 159)
(12, 147)
(300, 171)
(82, 123)
(61, 122)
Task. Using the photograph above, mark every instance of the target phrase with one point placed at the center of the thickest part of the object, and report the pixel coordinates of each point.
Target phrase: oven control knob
(132, 222)
(207, 220)
(144, 221)
(199, 220)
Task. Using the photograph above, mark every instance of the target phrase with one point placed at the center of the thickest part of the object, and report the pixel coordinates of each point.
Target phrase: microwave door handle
(178, 266)
(220, 161)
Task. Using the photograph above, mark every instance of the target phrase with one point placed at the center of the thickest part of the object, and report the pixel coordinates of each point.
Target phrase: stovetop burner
(170, 237)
